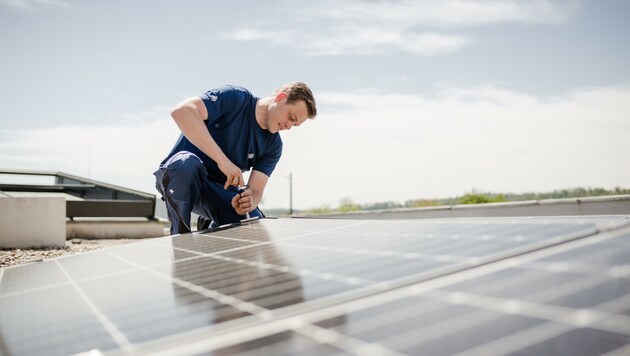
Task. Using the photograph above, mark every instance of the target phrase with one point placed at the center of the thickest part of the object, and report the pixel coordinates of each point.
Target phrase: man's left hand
(243, 203)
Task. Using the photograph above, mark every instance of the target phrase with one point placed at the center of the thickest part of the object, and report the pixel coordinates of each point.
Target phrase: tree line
(473, 197)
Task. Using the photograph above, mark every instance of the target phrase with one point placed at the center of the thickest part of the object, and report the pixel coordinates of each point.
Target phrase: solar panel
(488, 285)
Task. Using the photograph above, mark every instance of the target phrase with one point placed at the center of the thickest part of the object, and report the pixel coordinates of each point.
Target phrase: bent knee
(184, 160)
(185, 163)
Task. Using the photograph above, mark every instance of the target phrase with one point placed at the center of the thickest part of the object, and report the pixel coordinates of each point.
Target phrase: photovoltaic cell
(556, 304)
(444, 286)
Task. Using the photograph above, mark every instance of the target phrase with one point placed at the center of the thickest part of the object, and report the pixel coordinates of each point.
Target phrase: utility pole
(290, 193)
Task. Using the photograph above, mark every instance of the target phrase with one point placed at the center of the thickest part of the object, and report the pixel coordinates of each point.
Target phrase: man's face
(283, 116)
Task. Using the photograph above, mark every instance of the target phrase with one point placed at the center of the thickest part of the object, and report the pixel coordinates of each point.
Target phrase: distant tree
(480, 198)
(619, 190)
(474, 197)
(347, 205)
(422, 203)
(382, 205)
(324, 209)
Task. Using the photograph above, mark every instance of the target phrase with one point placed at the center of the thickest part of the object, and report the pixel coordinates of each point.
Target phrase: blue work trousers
(183, 182)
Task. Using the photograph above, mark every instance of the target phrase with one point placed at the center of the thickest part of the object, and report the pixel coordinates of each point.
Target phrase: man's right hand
(233, 174)
(189, 115)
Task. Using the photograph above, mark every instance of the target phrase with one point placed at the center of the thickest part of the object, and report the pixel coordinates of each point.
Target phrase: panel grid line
(282, 268)
(299, 285)
(344, 342)
(377, 321)
(565, 289)
(432, 285)
(620, 304)
(508, 220)
(302, 232)
(622, 351)
(519, 340)
(590, 269)
(86, 279)
(414, 290)
(451, 325)
(472, 262)
(385, 253)
(532, 336)
(555, 313)
(301, 272)
(226, 299)
(509, 307)
(441, 329)
(221, 339)
(112, 330)
(578, 318)
(197, 256)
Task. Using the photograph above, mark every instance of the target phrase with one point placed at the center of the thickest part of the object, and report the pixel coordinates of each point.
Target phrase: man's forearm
(257, 183)
(192, 126)
(256, 199)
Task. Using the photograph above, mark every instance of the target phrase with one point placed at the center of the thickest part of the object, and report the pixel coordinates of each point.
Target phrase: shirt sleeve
(219, 101)
(267, 162)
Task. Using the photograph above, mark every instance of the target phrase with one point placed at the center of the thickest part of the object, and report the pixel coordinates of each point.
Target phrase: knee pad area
(183, 177)
(186, 165)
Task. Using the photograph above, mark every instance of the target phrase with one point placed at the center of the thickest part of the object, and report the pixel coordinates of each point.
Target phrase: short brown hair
(297, 91)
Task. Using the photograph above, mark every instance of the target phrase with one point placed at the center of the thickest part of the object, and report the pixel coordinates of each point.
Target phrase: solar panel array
(448, 286)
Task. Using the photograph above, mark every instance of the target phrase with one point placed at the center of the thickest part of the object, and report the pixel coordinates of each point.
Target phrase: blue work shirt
(232, 124)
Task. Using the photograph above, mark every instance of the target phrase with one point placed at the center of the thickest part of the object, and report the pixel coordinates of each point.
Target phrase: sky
(416, 99)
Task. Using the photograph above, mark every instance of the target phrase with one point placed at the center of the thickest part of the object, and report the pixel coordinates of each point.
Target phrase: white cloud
(249, 34)
(356, 40)
(383, 146)
(124, 154)
(446, 13)
(417, 27)
(377, 146)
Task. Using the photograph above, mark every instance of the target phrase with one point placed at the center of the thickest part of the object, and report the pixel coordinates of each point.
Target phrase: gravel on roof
(11, 257)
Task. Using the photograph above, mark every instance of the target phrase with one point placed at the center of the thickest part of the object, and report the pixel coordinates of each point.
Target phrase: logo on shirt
(213, 97)
(250, 156)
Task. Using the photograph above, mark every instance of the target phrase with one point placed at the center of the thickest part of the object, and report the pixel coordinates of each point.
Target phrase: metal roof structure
(90, 198)
(492, 286)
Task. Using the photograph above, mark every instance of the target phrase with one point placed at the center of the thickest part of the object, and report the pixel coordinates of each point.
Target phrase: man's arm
(250, 198)
(189, 115)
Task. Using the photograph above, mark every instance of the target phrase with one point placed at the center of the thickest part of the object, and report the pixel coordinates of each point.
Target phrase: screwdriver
(241, 189)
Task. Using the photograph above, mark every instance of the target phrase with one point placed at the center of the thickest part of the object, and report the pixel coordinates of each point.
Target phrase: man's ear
(280, 96)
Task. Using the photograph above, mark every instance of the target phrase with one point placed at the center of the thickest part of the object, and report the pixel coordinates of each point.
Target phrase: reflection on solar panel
(476, 285)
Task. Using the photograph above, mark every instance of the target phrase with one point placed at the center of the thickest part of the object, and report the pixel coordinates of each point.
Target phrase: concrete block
(27, 222)
(113, 229)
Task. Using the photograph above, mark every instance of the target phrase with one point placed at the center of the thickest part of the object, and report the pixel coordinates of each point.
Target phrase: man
(225, 132)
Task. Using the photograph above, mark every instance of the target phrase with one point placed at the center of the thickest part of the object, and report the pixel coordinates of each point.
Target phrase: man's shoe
(203, 223)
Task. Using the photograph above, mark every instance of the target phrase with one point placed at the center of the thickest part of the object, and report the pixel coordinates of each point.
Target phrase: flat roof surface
(552, 285)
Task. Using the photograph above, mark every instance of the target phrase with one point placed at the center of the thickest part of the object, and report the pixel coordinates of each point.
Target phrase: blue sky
(416, 99)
